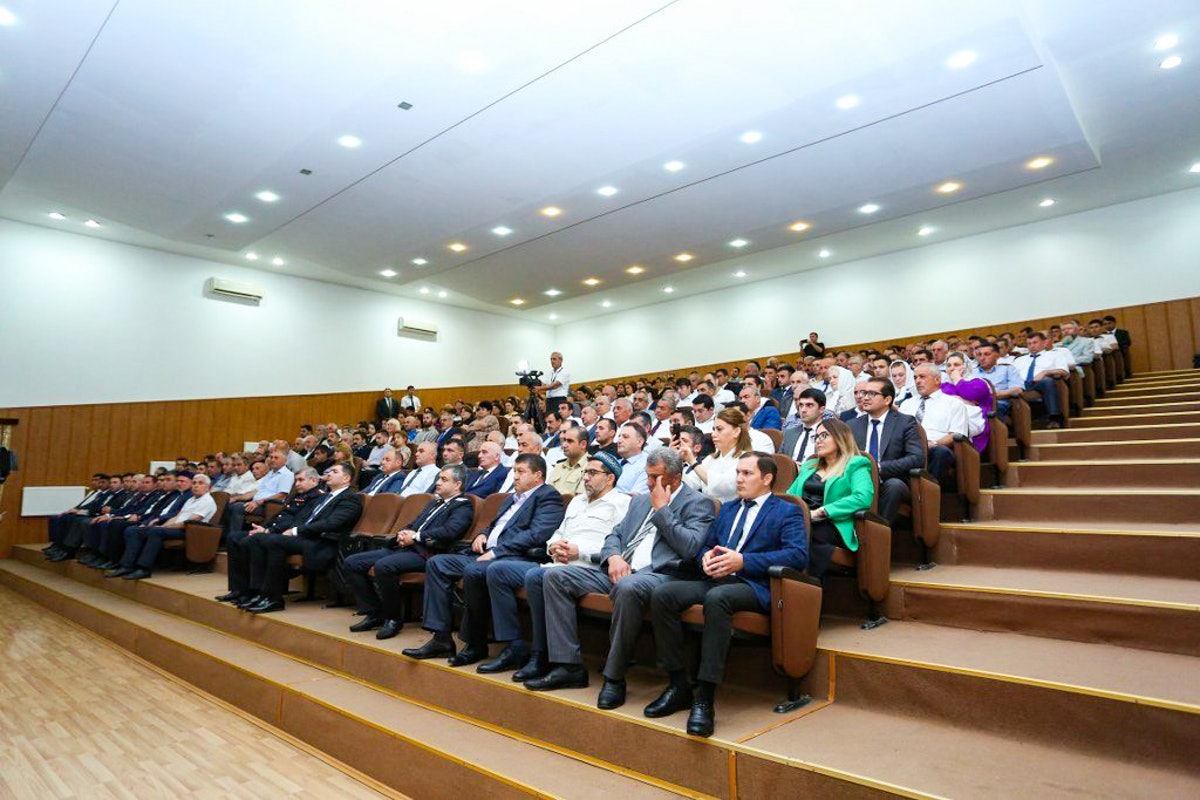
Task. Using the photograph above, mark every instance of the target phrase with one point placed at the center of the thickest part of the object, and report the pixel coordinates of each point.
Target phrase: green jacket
(851, 491)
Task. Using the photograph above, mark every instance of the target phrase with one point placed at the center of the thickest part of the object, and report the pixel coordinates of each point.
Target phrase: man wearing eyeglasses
(892, 439)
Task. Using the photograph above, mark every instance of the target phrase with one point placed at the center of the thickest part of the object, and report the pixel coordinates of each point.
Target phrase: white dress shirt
(722, 476)
(197, 509)
(586, 524)
(706, 426)
(1047, 359)
(751, 515)
(943, 414)
(498, 528)
(761, 442)
(643, 556)
(422, 482)
(240, 484)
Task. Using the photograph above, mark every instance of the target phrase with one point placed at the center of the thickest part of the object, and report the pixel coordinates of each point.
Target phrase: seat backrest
(785, 471)
(379, 514)
(874, 482)
(414, 504)
(796, 501)
(776, 437)
(476, 510)
(488, 510)
(222, 500)
(566, 499)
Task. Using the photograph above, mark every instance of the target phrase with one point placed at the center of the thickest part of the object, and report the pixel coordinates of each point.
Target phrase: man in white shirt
(941, 415)
(142, 545)
(704, 410)
(660, 427)
(558, 383)
(722, 394)
(410, 402)
(421, 479)
(242, 481)
(1039, 368)
(604, 407)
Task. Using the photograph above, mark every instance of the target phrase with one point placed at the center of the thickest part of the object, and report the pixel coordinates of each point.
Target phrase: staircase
(1052, 653)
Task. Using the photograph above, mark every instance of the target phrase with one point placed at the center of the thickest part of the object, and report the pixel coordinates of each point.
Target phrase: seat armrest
(791, 574)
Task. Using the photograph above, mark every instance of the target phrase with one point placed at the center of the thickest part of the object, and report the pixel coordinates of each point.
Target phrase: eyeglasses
(591, 473)
(820, 437)
(867, 394)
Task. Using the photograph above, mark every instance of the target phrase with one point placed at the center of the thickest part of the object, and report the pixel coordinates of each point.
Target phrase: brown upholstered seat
(785, 471)
(201, 539)
(775, 436)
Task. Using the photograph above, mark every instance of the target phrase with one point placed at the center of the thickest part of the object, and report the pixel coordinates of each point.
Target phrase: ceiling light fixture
(1171, 62)
(799, 227)
(388, 273)
(442, 294)
(7, 17)
(949, 187)
(868, 208)
(236, 217)
(963, 58)
(1049, 201)
(252, 256)
(1195, 167)
(635, 270)
(591, 281)
(751, 137)
(58, 215)
(926, 230)
(517, 301)
(277, 261)
(739, 243)
(741, 273)
(553, 317)
(1166, 41)
(1041, 162)
(825, 254)
(673, 166)
(91, 223)
(457, 247)
(424, 290)
(552, 292)
(606, 304)
(349, 141)
(684, 257)
(267, 196)
(848, 101)
(607, 191)
(669, 289)
(502, 230)
(420, 262)
(551, 211)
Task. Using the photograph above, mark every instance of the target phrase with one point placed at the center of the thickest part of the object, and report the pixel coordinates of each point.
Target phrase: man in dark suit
(1124, 340)
(491, 473)
(437, 529)
(137, 503)
(386, 407)
(762, 415)
(663, 529)
(526, 521)
(63, 526)
(750, 535)
(604, 440)
(892, 439)
(798, 442)
(390, 478)
(109, 537)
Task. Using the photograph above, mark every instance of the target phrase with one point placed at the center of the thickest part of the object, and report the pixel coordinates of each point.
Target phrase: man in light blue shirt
(1004, 377)
(631, 440)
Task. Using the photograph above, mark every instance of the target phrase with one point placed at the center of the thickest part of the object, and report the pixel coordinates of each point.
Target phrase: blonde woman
(716, 475)
(835, 483)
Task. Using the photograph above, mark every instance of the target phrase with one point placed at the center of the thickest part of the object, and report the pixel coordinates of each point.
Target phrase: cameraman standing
(558, 384)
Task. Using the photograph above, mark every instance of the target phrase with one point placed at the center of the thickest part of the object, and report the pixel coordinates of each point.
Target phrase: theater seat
(925, 508)
(379, 515)
(775, 436)
(966, 474)
(201, 539)
(785, 471)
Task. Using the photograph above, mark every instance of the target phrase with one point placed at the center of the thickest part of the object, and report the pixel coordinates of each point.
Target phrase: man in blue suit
(491, 472)
(525, 521)
(762, 415)
(750, 535)
(390, 478)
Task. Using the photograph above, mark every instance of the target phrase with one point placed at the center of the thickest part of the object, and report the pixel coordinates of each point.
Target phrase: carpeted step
(1166, 473)
(1124, 433)
(1121, 420)
(1146, 398)
(1132, 407)
(1123, 450)
(1162, 387)
(1077, 506)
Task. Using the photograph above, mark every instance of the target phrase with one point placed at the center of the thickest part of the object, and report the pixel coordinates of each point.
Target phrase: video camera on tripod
(531, 379)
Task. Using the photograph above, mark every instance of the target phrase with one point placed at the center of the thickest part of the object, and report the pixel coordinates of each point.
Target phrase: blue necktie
(321, 505)
(375, 484)
(735, 536)
(1032, 364)
(873, 442)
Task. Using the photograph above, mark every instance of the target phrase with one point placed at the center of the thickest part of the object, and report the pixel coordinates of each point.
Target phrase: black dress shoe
(702, 719)
(267, 606)
(246, 602)
(108, 565)
(513, 657)
(674, 698)
(366, 624)
(612, 695)
(230, 597)
(62, 555)
(434, 648)
(51, 550)
(120, 572)
(468, 655)
(390, 628)
(137, 575)
(536, 667)
(564, 676)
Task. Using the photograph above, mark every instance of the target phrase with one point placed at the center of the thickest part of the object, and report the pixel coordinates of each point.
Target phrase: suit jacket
(483, 486)
(900, 446)
(296, 511)
(383, 410)
(792, 436)
(446, 528)
(146, 504)
(849, 492)
(532, 526)
(777, 538)
(679, 528)
(767, 417)
(1123, 338)
(168, 509)
(786, 400)
(391, 483)
(334, 520)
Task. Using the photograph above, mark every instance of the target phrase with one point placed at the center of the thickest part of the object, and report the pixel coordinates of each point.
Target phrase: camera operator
(559, 382)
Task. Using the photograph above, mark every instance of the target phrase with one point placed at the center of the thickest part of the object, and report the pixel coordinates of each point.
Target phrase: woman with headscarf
(903, 380)
(974, 392)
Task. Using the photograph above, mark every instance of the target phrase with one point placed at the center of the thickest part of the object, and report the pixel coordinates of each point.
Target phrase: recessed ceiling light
(442, 294)
(1041, 162)
(1171, 62)
(926, 230)
(388, 273)
(551, 211)
(252, 256)
(58, 215)
(963, 58)
(799, 227)
(848, 101)
(552, 292)
(404, 105)
(1049, 201)
(741, 273)
(636, 270)
(673, 166)
(553, 317)
(606, 304)
(91, 223)
(349, 141)
(739, 243)
(277, 261)
(1195, 167)
(591, 281)
(825, 254)
(684, 257)
(457, 247)
(237, 218)
(267, 196)
(868, 208)
(516, 301)
(1166, 41)
(669, 289)
(502, 230)
(949, 187)
(751, 137)
(7, 17)
(420, 262)
(607, 191)
(424, 290)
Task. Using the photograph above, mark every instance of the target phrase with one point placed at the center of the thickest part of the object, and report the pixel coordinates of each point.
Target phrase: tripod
(533, 412)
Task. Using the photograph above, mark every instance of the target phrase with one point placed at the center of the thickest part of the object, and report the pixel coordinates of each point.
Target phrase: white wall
(84, 320)
(1138, 252)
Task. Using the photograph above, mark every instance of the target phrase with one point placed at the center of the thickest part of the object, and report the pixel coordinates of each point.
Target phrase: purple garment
(975, 391)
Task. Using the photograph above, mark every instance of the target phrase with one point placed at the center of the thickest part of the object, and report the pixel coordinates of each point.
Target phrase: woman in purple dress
(975, 392)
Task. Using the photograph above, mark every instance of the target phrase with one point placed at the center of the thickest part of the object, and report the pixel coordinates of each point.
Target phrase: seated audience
(390, 478)
(941, 416)
(143, 543)
(1005, 380)
(1038, 368)
(631, 442)
(893, 440)
(762, 416)
(566, 476)
(703, 409)
(716, 475)
(421, 478)
(605, 438)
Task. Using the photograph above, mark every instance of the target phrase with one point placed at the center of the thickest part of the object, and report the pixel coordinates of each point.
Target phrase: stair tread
(901, 752)
(1103, 491)
(1091, 668)
(521, 761)
(1103, 442)
(1050, 526)
(1180, 593)
(1110, 462)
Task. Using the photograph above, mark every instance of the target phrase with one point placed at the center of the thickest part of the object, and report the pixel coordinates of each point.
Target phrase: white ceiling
(158, 117)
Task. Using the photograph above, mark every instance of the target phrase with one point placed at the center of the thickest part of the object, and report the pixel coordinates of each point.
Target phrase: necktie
(412, 476)
(803, 443)
(375, 484)
(1032, 365)
(920, 415)
(439, 504)
(873, 442)
(642, 533)
(735, 536)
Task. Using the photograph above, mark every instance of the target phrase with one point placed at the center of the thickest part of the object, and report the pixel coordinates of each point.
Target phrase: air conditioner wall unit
(224, 288)
(406, 326)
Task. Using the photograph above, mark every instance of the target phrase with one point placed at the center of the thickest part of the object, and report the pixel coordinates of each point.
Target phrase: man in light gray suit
(661, 533)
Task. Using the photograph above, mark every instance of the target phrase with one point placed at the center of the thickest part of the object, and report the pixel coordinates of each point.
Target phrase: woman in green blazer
(835, 483)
